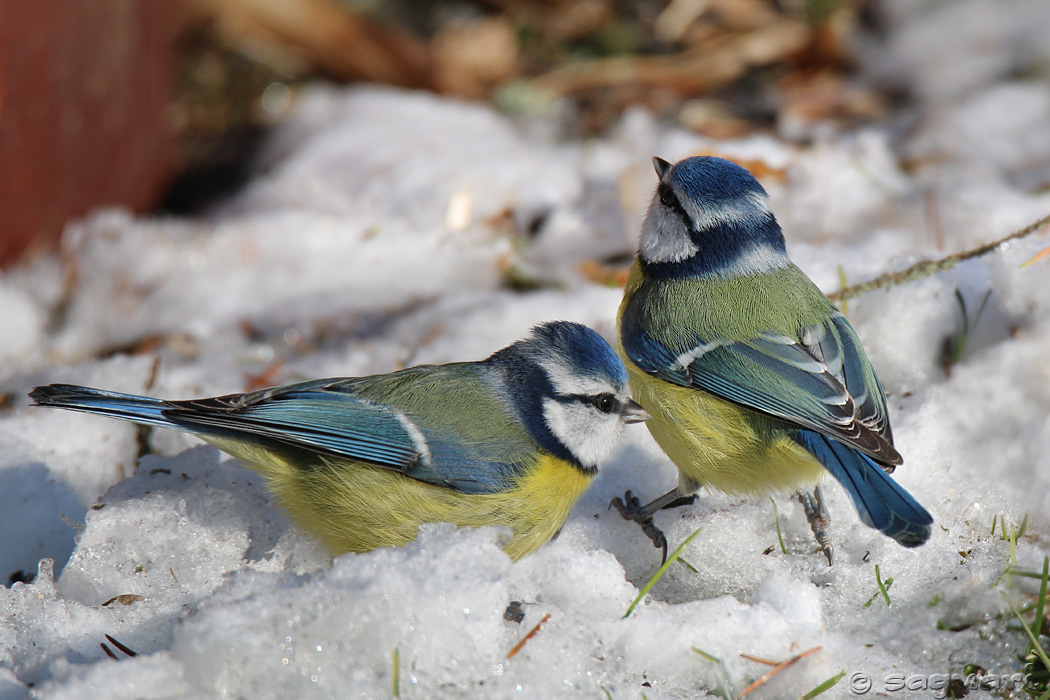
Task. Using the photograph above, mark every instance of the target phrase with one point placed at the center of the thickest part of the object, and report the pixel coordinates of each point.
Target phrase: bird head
(710, 217)
(570, 389)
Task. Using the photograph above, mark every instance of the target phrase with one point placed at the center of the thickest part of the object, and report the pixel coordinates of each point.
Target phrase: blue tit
(513, 440)
(755, 382)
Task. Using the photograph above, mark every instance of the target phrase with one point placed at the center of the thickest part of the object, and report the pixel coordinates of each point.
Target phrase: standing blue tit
(755, 382)
(360, 463)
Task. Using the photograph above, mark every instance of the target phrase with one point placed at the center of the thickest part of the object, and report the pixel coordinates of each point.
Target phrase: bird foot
(819, 520)
(630, 508)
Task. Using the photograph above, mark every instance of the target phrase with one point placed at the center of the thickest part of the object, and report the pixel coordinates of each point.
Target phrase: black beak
(633, 412)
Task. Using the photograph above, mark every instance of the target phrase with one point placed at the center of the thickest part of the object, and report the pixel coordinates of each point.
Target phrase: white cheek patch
(557, 421)
(590, 435)
(664, 237)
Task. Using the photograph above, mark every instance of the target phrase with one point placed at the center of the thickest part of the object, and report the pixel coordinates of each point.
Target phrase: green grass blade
(397, 672)
(883, 589)
(660, 572)
(1036, 646)
(776, 517)
(844, 307)
(883, 586)
(1042, 598)
(980, 309)
(724, 689)
(707, 657)
(829, 683)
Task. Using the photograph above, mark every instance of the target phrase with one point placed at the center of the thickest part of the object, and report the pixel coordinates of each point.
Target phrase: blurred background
(160, 106)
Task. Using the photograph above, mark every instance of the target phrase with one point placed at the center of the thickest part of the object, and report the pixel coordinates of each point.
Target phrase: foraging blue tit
(360, 463)
(755, 382)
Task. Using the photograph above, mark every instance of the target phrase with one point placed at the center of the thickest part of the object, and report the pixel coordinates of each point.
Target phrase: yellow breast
(355, 507)
(716, 443)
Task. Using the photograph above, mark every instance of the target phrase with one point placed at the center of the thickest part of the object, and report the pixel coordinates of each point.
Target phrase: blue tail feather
(140, 409)
(881, 502)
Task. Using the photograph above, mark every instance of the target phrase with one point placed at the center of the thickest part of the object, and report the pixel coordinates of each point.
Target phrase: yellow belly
(716, 443)
(354, 507)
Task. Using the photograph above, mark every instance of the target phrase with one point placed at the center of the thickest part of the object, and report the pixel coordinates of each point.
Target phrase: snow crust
(381, 231)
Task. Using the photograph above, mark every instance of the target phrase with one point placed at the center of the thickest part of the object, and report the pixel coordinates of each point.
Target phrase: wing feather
(819, 380)
(473, 450)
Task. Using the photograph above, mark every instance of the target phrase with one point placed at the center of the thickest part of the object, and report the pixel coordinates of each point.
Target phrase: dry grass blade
(118, 645)
(123, 599)
(764, 678)
(1038, 256)
(759, 660)
(527, 637)
(693, 72)
(338, 40)
(927, 268)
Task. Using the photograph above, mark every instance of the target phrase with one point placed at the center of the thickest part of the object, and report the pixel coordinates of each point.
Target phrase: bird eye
(606, 403)
(667, 197)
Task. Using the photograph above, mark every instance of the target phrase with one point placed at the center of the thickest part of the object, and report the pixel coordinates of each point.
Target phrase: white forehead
(568, 381)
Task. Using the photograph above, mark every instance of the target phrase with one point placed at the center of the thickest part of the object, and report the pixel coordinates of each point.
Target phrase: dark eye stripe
(670, 200)
(667, 196)
(606, 403)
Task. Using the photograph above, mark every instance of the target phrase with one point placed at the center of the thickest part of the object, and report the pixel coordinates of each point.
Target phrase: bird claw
(819, 520)
(630, 508)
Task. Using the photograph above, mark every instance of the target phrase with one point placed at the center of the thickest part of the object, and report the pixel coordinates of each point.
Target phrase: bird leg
(819, 519)
(631, 508)
(678, 502)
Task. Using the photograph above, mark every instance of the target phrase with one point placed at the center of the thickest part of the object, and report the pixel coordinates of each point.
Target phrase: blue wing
(327, 422)
(821, 380)
(324, 417)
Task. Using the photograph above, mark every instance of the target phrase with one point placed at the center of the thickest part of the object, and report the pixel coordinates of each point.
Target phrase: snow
(381, 231)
